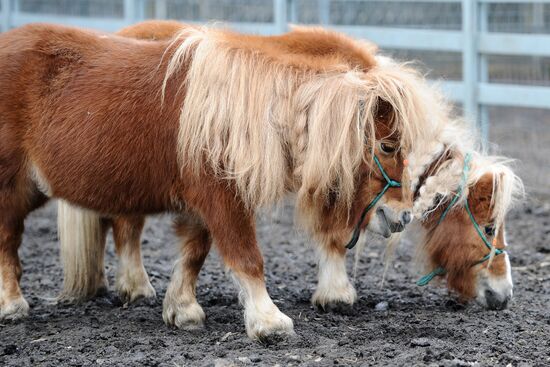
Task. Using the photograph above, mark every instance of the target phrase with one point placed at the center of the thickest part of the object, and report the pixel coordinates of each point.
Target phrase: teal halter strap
(440, 270)
(463, 181)
(389, 183)
(483, 237)
(428, 277)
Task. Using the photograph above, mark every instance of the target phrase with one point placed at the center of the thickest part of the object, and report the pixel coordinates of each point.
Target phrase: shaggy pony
(210, 125)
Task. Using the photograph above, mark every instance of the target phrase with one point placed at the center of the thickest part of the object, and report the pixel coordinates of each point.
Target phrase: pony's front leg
(334, 286)
(132, 281)
(180, 307)
(262, 318)
(232, 227)
(241, 254)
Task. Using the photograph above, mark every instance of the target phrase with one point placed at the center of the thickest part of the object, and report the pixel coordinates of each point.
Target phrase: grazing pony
(462, 201)
(461, 198)
(210, 125)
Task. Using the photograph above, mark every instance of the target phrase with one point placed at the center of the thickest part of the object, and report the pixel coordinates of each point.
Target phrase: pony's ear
(369, 46)
(480, 198)
(385, 118)
(384, 109)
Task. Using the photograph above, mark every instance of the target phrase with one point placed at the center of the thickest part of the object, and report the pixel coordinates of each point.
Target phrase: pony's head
(465, 239)
(378, 201)
(381, 204)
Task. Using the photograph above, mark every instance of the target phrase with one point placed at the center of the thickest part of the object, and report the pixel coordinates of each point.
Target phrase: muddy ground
(421, 326)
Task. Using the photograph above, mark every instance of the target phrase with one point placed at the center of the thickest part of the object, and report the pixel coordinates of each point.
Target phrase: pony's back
(153, 30)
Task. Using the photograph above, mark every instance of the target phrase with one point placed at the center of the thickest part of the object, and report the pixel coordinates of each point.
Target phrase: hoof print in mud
(277, 338)
(337, 307)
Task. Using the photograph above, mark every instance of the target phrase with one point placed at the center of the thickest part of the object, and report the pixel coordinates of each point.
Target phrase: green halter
(439, 270)
(389, 183)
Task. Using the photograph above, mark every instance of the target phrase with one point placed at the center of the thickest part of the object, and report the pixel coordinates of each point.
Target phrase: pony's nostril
(406, 217)
(494, 302)
(489, 296)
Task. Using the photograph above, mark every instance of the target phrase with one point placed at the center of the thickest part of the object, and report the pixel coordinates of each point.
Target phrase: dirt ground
(397, 324)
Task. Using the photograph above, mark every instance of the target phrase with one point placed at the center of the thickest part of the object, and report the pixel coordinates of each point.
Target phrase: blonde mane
(275, 126)
(446, 151)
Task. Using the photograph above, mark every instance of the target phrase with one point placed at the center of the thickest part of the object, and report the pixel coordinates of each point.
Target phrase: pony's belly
(119, 193)
(113, 175)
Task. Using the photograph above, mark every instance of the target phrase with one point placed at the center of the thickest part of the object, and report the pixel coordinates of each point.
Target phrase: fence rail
(473, 41)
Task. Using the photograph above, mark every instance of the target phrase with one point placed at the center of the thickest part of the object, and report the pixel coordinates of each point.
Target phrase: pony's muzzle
(496, 301)
(392, 220)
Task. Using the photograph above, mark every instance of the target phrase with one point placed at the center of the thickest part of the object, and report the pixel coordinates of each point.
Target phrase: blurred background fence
(492, 57)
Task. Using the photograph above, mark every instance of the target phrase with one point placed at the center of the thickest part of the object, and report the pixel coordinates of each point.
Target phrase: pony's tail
(82, 241)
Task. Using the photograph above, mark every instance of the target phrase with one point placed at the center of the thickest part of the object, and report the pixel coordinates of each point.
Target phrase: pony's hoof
(336, 299)
(266, 327)
(184, 316)
(129, 290)
(14, 310)
(131, 295)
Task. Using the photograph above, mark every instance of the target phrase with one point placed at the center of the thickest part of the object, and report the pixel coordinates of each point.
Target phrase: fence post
(161, 11)
(280, 12)
(293, 7)
(324, 12)
(6, 16)
(470, 62)
(483, 16)
(129, 11)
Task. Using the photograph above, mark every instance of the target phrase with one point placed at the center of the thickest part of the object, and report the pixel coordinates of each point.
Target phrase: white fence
(473, 41)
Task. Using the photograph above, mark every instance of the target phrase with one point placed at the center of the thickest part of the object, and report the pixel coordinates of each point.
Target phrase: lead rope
(389, 183)
(440, 270)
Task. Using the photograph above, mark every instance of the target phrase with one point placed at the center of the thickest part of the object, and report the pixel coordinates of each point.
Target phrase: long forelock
(419, 110)
(507, 186)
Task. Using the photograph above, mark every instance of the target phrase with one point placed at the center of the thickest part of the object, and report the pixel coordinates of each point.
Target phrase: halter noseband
(440, 270)
(389, 183)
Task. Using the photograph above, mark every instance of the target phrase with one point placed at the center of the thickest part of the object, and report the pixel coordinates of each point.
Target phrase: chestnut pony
(210, 125)
(83, 255)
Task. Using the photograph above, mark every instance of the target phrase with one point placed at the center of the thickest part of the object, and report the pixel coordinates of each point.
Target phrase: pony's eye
(490, 230)
(388, 148)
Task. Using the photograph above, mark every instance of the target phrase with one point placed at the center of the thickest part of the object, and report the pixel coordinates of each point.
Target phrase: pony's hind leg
(14, 207)
(180, 304)
(334, 287)
(132, 281)
(12, 303)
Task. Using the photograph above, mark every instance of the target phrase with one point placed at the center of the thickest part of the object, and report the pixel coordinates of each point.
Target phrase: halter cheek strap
(440, 270)
(488, 244)
(389, 183)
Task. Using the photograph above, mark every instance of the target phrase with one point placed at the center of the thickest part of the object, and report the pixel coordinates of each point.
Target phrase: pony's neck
(313, 49)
